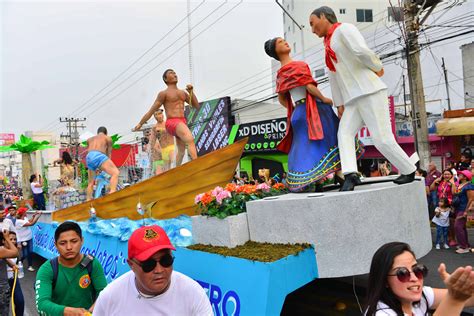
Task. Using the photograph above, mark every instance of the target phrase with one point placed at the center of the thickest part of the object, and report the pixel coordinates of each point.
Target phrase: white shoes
(446, 246)
(30, 268)
(437, 246)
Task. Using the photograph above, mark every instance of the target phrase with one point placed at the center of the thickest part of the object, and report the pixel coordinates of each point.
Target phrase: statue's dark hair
(327, 12)
(270, 48)
(165, 73)
(102, 129)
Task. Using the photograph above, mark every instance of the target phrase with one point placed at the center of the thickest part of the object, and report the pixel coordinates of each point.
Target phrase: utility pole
(446, 84)
(417, 95)
(73, 134)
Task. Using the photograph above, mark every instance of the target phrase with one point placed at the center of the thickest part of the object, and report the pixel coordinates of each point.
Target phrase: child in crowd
(18, 298)
(441, 219)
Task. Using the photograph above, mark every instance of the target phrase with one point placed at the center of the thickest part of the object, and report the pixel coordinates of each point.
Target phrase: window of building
(320, 72)
(292, 4)
(293, 27)
(364, 15)
(294, 47)
(284, 17)
(289, 29)
(342, 11)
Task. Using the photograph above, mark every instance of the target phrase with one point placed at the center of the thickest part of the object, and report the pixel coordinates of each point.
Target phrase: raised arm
(354, 40)
(194, 101)
(8, 250)
(160, 99)
(33, 220)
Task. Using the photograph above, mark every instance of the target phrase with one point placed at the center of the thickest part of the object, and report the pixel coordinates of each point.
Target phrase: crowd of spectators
(451, 192)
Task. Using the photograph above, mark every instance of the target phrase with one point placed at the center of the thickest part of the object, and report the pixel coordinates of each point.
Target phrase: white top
(420, 310)
(8, 224)
(34, 189)
(10, 269)
(443, 219)
(356, 63)
(184, 297)
(23, 233)
(298, 93)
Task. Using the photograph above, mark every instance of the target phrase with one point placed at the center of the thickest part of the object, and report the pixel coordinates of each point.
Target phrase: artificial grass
(251, 250)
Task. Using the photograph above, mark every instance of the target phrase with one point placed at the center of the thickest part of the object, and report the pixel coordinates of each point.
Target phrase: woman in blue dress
(311, 137)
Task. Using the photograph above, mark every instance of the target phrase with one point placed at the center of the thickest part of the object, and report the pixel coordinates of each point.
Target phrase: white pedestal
(229, 232)
(346, 228)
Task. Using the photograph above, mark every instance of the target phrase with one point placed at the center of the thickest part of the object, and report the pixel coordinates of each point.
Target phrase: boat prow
(167, 195)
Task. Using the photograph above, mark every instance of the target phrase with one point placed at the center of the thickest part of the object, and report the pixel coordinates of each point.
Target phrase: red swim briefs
(172, 123)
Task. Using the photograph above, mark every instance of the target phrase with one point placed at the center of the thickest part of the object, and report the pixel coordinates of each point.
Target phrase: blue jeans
(440, 230)
(27, 252)
(39, 201)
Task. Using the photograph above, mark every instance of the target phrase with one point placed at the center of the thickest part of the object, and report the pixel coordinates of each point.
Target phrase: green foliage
(255, 251)
(84, 175)
(26, 145)
(232, 200)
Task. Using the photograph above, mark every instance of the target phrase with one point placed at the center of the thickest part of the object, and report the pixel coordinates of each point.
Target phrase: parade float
(329, 234)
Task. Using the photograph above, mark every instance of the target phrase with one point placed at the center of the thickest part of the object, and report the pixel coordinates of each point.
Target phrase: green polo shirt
(73, 287)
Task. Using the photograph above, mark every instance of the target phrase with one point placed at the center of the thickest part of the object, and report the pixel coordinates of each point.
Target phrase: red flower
(207, 198)
(231, 187)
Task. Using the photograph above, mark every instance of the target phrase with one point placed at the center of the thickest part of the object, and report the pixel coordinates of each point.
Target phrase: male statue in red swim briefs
(173, 100)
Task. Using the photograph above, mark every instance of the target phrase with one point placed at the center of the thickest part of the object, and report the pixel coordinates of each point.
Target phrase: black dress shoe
(405, 178)
(350, 181)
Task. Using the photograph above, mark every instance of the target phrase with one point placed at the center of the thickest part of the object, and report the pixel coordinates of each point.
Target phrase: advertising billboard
(210, 124)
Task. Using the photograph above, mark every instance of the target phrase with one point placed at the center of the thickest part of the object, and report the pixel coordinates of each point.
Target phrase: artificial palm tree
(26, 146)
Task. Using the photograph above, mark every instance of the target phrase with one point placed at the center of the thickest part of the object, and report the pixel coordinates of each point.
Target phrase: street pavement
(319, 297)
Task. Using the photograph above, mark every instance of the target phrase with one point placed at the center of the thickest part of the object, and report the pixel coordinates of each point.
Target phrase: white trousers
(371, 110)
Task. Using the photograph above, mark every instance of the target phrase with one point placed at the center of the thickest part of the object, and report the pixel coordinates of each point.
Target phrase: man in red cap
(25, 235)
(152, 287)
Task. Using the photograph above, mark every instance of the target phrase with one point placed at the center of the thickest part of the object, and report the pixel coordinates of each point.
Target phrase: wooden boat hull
(167, 195)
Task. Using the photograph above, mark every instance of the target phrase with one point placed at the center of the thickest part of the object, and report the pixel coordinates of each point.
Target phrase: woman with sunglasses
(396, 285)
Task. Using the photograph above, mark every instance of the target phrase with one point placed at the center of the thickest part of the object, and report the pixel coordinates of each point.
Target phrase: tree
(26, 146)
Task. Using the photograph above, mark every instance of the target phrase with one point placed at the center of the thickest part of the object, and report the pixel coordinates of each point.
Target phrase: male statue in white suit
(359, 93)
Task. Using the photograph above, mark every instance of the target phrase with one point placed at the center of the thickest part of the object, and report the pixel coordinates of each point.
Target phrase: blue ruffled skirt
(310, 161)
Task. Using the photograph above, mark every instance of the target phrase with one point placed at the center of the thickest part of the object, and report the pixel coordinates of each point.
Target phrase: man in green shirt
(75, 289)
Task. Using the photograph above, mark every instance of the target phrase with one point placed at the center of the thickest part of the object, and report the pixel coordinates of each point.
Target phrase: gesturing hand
(380, 73)
(460, 283)
(189, 88)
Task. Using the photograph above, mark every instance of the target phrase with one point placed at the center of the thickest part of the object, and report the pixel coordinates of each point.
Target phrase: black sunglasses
(403, 274)
(149, 265)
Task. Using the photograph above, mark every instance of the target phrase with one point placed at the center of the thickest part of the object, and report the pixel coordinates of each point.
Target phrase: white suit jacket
(356, 63)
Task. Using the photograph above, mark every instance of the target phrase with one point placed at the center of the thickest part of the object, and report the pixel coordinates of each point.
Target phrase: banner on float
(110, 251)
(234, 286)
(210, 124)
(263, 136)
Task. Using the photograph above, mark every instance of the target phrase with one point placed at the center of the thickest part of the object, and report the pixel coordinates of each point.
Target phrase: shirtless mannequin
(173, 101)
(161, 144)
(99, 151)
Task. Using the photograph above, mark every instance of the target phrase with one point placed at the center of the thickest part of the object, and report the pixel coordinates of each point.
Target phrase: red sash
(330, 54)
(292, 75)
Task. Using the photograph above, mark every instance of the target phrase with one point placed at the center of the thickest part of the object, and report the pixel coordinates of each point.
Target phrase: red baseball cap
(22, 210)
(146, 241)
